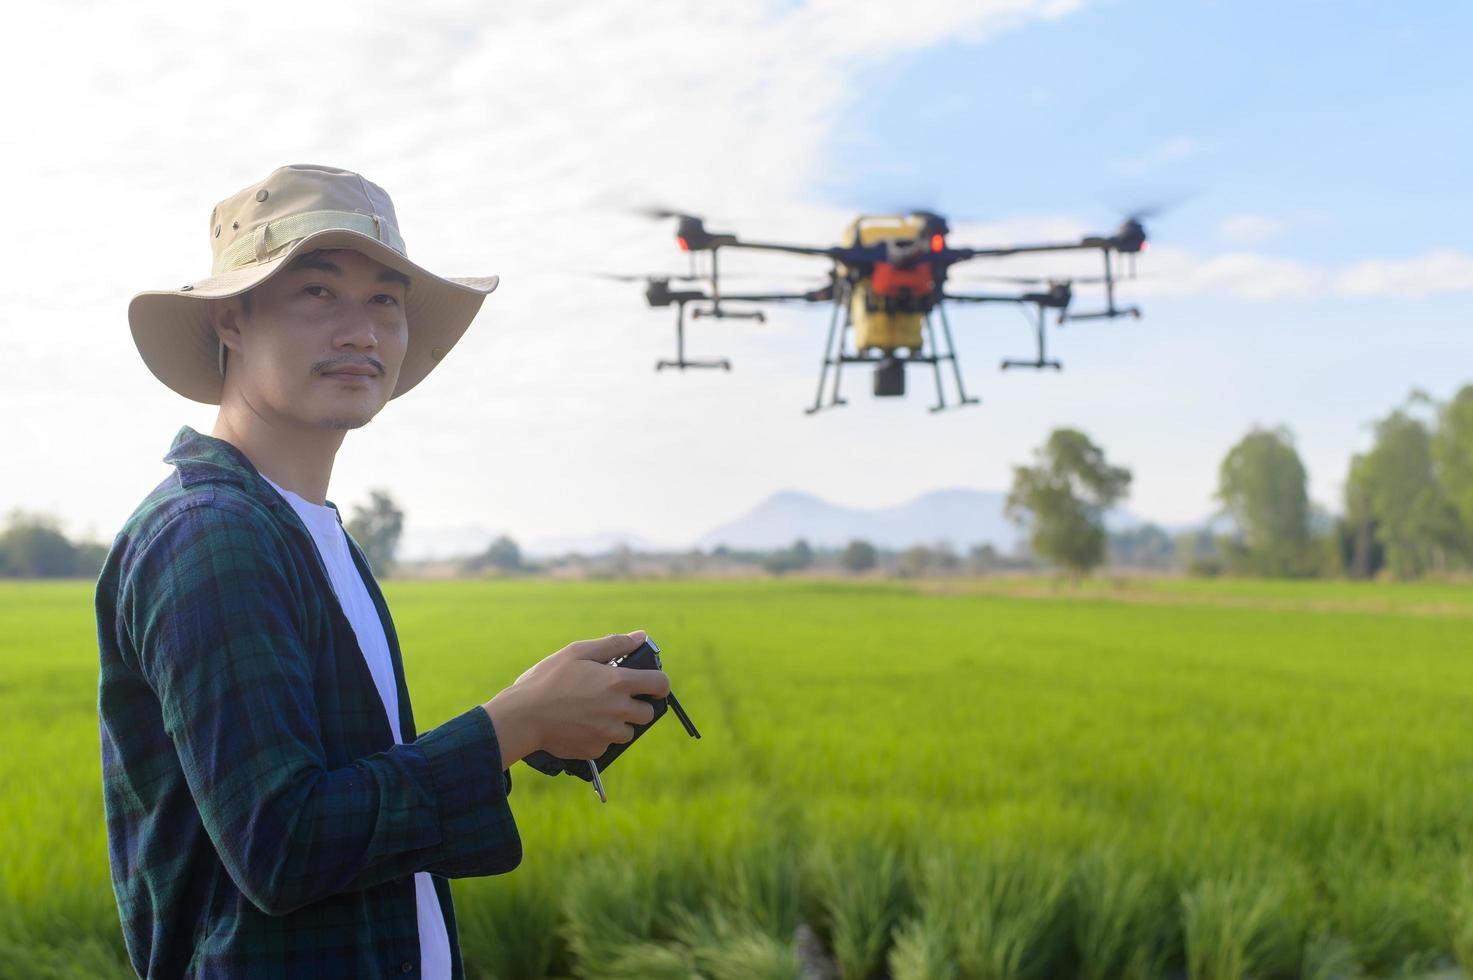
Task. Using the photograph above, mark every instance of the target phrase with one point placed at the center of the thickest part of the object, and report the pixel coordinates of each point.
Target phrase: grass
(951, 780)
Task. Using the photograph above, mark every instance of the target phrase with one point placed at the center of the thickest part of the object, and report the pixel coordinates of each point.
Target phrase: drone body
(888, 303)
(887, 293)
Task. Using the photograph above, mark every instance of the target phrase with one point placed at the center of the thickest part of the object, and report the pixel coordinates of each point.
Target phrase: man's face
(322, 343)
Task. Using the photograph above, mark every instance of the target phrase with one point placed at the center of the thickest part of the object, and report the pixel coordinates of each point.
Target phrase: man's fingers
(608, 648)
(655, 683)
(636, 712)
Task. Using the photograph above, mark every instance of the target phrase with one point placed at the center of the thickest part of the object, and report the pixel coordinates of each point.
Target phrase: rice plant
(1217, 779)
(863, 898)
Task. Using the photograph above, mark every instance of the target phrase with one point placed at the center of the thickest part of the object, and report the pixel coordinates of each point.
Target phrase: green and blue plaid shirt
(261, 821)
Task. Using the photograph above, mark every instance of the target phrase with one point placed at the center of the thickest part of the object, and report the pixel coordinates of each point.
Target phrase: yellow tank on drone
(888, 305)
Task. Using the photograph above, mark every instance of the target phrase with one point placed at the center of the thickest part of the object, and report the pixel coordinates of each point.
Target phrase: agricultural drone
(887, 286)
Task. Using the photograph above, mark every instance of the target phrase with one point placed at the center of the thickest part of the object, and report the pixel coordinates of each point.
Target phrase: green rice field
(974, 779)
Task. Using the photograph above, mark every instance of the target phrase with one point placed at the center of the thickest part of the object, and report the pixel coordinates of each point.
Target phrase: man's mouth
(352, 372)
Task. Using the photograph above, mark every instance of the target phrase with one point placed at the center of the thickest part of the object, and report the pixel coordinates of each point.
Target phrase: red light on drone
(938, 242)
(684, 245)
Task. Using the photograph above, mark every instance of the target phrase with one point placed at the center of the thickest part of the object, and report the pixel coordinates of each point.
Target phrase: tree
(89, 559)
(1452, 452)
(792, 559)
(1394, 491)
(376, 527)
(1362, 555)
(1263, 487)
(1063, 498)
(503, 555)
(32, 546)
(916, 561)
(1145, 546)
(621, 560)
(984, 558)
(858, 556)
(944, 557)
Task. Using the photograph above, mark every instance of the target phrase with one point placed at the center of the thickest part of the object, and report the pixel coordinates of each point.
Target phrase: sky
(1310, 268)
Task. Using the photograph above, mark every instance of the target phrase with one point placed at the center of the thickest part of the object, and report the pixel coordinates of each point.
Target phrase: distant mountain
(962, 518)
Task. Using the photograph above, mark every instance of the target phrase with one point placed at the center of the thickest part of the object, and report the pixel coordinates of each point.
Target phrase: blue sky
(1347, 121)
(1305, 132)
(1316, 266)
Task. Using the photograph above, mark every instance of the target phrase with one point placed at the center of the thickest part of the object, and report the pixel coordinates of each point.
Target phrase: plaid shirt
(261, 821)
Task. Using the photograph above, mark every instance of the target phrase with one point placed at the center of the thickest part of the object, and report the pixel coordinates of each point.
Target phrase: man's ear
(225, 316)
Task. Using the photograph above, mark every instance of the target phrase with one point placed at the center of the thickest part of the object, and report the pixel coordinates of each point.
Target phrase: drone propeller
(1131, 236)
(1154, 209)
(1148, 213)
(655, 212)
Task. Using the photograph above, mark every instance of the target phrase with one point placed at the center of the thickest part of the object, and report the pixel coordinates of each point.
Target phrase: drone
(888, 289)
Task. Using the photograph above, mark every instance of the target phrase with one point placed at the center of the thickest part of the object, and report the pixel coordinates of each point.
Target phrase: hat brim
(173, 333)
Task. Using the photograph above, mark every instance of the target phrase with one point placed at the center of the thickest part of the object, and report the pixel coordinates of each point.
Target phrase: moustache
(339, 363)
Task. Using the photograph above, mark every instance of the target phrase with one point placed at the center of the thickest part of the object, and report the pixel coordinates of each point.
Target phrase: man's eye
(310, 288)
(391, 300)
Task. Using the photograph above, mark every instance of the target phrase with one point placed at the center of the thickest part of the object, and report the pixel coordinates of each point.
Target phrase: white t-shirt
(332, 544)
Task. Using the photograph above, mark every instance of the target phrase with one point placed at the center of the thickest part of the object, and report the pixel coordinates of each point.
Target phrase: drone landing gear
(889, 365)
(841, 302)
(950, 355)
(681, 362)
(721, 363)
(1042, 360)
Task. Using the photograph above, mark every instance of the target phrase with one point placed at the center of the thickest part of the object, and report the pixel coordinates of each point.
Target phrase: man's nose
(356, 330)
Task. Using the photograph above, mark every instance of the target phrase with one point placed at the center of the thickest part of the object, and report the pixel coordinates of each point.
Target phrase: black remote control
(646, 657)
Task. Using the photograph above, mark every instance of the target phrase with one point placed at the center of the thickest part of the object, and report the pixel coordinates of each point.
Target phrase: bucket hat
(255, 232)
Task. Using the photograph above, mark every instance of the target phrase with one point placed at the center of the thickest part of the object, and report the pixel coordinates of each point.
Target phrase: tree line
(1407, 508)
(1407, 512)
(34, 545)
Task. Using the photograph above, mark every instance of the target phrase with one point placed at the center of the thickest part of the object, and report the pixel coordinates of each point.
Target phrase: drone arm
(659, 293)
(827, 253)
(977, 298)
(823, 295)
(965, 254)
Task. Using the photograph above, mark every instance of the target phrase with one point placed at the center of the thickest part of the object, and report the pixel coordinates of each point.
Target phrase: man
(271, 809)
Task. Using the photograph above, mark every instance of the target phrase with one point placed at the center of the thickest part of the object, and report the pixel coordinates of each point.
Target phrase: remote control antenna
(598, 784)
(690, 727)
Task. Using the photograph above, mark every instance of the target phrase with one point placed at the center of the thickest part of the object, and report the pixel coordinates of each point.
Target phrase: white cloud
(506, 134)
(1170, 271)
(867, 29)
(1431, 274)
(1254, 276)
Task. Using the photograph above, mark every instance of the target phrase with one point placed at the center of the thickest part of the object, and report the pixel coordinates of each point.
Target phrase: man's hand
(572, 704)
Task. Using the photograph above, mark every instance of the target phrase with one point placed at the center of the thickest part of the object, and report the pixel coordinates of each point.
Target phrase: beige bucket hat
(255, 232)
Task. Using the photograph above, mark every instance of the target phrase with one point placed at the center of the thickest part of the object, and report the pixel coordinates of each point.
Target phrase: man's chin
(346, 415)
(344, 423)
